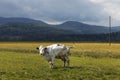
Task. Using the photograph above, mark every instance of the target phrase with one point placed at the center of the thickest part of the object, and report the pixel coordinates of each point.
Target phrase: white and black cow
(58, 51)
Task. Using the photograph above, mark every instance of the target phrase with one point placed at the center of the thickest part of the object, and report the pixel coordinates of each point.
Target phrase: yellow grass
(89, 61)
(78, 47)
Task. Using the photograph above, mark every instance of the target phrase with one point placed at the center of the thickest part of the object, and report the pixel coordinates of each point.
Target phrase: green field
(88, 61)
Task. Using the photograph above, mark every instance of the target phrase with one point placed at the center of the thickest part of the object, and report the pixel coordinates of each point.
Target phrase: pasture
(88, 61)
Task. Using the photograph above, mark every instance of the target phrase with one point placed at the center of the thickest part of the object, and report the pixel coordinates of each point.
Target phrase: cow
(53, 51)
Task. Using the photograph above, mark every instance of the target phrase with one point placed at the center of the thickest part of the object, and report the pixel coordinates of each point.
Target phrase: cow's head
(42, 50)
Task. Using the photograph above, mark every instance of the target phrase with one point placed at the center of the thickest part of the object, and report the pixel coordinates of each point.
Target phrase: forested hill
(29, 31)
(36, 32)
(24, 29)
(21, 20)
(82, 28)
(74, 26)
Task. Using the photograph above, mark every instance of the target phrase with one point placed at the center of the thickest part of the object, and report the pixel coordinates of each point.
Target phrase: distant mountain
(36, 32)
(82, 28)
(25, 29)
(73, 26)
(32, 28)
(116, 28)
(20, 20)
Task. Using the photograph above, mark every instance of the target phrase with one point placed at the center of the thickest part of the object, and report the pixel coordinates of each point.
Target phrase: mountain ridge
(21, 20)
(25, 29)
(83, 28)
(74, 26)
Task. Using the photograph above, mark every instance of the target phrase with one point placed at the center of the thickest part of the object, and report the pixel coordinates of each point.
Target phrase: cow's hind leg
(67, 60)
(64, 60)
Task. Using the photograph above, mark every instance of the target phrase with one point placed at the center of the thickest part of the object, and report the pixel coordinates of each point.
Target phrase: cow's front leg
(52, 63)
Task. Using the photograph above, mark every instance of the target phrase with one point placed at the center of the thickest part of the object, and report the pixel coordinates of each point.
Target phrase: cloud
(110, 8)
(55, 11)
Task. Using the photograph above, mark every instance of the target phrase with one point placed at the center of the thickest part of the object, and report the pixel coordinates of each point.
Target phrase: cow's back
(56, 49)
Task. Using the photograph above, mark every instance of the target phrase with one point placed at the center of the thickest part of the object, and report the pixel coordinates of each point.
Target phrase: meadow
(88, 61)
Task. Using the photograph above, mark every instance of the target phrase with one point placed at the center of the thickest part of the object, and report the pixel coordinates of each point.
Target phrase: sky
(95, 12)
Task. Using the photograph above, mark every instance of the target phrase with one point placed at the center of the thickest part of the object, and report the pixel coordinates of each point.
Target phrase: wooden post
(109, 30)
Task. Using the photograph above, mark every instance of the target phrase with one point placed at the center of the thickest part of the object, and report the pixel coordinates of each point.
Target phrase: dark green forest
(37, 32)
(25, 29)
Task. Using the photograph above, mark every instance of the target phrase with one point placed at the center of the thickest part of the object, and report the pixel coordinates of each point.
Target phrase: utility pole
(109, 30)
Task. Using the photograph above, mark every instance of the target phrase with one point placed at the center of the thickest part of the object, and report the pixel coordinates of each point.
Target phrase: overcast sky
(57, 11)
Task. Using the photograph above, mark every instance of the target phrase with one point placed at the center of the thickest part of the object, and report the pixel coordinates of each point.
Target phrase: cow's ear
(45, 49)
(37, 48)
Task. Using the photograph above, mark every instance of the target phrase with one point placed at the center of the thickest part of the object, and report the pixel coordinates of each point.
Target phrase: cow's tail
(70, 47)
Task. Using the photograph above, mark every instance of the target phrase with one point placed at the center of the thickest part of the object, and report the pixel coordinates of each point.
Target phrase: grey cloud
(54, 10)
(71, 10)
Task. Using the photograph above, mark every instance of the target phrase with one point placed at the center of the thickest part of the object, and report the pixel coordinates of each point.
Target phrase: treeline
(37, 32)
(115, 37)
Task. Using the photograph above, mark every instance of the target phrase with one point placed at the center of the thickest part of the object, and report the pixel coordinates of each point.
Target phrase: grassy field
(89, 61)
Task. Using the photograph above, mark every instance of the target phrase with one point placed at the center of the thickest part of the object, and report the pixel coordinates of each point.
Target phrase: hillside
(82, 28)
(116, 28)
(74, 26)
(29, 31)
(24, 29)
(21, 20)
(36, 32)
